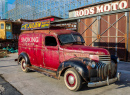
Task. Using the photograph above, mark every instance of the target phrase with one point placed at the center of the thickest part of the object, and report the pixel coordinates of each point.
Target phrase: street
(34, 83)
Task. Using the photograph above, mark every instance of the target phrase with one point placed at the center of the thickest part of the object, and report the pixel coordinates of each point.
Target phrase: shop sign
(102, 8)
(36, 25)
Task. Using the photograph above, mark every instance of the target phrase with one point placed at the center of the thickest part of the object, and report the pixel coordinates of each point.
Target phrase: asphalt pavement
(7, 89)
(14, 81)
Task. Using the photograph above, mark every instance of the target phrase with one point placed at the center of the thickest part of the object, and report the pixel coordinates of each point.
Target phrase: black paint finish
(25, 56)
(78, 65)
(114, 58)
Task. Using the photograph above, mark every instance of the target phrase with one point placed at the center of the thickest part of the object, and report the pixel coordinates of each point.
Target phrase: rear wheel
(24, 65)
(72, 79)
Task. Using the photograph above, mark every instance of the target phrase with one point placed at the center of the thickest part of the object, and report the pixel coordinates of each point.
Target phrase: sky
(11, 1)
(10, 5)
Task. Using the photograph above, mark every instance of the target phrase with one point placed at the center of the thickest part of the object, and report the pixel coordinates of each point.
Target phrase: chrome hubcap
(24, 65)
(71, 79)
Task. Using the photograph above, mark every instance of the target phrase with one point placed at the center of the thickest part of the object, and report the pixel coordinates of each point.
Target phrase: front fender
(114, 58)
(78, 65)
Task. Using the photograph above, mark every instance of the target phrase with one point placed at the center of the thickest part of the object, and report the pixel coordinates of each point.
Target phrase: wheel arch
(25, 56)
(114, 58)
(77, 65)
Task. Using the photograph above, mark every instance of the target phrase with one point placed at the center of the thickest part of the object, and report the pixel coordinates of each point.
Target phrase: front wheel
(72, 79)
(24, 65)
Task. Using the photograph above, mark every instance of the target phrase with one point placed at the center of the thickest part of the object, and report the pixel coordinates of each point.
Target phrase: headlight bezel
(90, 63)
(93, 64)
(118, 60)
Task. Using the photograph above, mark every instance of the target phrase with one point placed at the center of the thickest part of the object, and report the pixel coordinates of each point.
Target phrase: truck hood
(84, 49)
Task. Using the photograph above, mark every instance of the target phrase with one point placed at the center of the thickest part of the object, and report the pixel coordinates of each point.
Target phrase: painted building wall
(6, 30)
(2, 30)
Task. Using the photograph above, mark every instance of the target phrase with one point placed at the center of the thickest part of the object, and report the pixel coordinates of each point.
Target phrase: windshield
(71, 38)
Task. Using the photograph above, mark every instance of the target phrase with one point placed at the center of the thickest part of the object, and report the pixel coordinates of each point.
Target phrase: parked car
(56, 52)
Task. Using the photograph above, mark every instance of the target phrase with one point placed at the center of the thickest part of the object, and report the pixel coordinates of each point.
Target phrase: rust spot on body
(89, 68)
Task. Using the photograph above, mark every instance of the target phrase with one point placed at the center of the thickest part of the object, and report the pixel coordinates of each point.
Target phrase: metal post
(116, 36)
(78, 21)
(127, 51)
(99, 17)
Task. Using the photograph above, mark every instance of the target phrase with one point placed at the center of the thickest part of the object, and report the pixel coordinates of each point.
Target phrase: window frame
(50, 36)
(3, 26)
(8, 24)
(61, 43)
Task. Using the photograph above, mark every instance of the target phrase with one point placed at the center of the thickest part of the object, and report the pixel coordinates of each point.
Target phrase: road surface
(34, 83)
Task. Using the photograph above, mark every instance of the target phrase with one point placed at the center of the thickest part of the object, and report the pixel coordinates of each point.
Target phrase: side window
(50, 41)
(8, 26)
(2, 26)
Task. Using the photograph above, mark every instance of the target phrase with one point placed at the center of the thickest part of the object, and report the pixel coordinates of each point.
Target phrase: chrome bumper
(106, 82)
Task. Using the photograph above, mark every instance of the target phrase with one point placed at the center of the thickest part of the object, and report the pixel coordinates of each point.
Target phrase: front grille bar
(105, 59)
(101, 70)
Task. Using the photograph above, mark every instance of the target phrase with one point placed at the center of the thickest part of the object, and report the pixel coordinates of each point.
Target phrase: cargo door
(38, 49)
(9, 35)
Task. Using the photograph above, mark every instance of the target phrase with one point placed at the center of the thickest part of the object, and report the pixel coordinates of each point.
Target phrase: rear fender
(25, 56)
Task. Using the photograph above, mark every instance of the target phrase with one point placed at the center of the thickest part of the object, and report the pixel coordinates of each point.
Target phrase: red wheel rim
(70, 80)
(23, 64)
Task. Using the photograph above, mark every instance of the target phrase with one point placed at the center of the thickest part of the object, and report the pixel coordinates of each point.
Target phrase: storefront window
(8, 26)
(2, 26)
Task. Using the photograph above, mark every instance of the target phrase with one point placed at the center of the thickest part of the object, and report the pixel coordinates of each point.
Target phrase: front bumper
(106, 82)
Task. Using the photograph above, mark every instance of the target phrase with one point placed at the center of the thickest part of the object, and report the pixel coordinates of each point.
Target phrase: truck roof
(51, 31)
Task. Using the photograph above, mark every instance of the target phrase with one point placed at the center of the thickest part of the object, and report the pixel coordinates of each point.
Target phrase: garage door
(109, 32)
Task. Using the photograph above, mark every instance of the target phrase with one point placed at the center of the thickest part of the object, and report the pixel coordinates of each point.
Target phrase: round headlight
(118, 60)
(93, 64)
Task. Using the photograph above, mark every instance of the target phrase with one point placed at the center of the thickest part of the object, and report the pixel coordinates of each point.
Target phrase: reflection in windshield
(70, 38)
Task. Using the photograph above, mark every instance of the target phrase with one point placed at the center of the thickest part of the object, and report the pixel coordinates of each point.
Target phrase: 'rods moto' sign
(101, 8)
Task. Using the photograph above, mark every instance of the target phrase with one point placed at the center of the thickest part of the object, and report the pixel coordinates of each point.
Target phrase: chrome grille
(102, 70)
(113, 69)
(105, 59)
(104, 67)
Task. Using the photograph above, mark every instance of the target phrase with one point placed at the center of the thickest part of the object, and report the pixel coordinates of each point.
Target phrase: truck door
(51, 53)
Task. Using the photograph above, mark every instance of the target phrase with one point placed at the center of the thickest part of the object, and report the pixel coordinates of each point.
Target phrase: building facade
(105, 25)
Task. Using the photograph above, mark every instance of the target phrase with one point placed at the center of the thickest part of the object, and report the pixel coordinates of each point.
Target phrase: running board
(45, 72)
